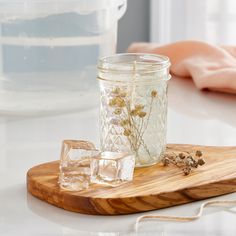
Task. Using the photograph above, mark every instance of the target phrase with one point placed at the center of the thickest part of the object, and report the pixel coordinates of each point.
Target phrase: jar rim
(140, 63)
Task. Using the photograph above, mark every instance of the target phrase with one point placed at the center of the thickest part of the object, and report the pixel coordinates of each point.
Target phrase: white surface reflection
(186, 99)
(200, 117)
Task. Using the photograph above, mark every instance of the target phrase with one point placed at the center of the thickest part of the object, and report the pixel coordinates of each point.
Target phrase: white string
(184, 218)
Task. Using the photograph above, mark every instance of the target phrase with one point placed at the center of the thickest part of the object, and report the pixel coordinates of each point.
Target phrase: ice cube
(112, 168)
(75, 164)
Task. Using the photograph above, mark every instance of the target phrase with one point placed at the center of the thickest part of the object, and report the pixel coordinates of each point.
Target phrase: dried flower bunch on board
(184, 160)
(133, 118)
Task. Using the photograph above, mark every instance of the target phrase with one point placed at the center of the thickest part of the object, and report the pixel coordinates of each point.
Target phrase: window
(209, 20)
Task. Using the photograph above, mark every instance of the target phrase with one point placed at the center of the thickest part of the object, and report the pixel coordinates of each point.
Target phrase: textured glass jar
(134, 105)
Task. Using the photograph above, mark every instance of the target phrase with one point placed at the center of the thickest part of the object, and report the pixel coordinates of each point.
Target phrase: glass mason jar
(133, 110)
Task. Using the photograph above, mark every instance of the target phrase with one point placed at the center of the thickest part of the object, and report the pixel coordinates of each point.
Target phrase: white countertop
(194, 117)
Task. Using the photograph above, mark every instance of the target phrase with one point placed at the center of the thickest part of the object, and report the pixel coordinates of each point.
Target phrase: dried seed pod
(142, 114)
(116, 90)
(134, 112)
(165, 161)
(189, 157)
(124, 122)
(186, 170)
(201, 161)
(181, 156)
(169, 157)
(198, 153)
(117, 111)
(154, 93)
(194, 164)
(112, 102)
(120, 102)
(177, 159)
(127, 132)
(188, 162)
(139, 107)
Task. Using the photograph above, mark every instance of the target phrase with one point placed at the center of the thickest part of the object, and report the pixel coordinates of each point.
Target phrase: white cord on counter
(185, 218)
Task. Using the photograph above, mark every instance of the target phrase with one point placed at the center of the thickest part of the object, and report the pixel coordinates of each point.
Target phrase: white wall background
(166, 21)
(213, 21)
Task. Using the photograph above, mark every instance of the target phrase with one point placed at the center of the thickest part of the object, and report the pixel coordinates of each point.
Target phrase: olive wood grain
(153, 187)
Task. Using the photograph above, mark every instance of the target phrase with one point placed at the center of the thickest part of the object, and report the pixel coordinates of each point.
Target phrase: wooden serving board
(153, 187)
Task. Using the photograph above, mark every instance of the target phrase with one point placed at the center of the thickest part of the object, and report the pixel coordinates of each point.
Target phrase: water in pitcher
(49, 63)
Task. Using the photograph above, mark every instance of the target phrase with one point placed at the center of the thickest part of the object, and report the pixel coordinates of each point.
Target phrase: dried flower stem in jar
(133, 118)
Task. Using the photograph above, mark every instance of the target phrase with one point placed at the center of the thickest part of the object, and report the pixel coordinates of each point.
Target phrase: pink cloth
(211, 67)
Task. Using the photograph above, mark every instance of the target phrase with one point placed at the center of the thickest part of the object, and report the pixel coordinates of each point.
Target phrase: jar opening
(130, 63)
(134, 67)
